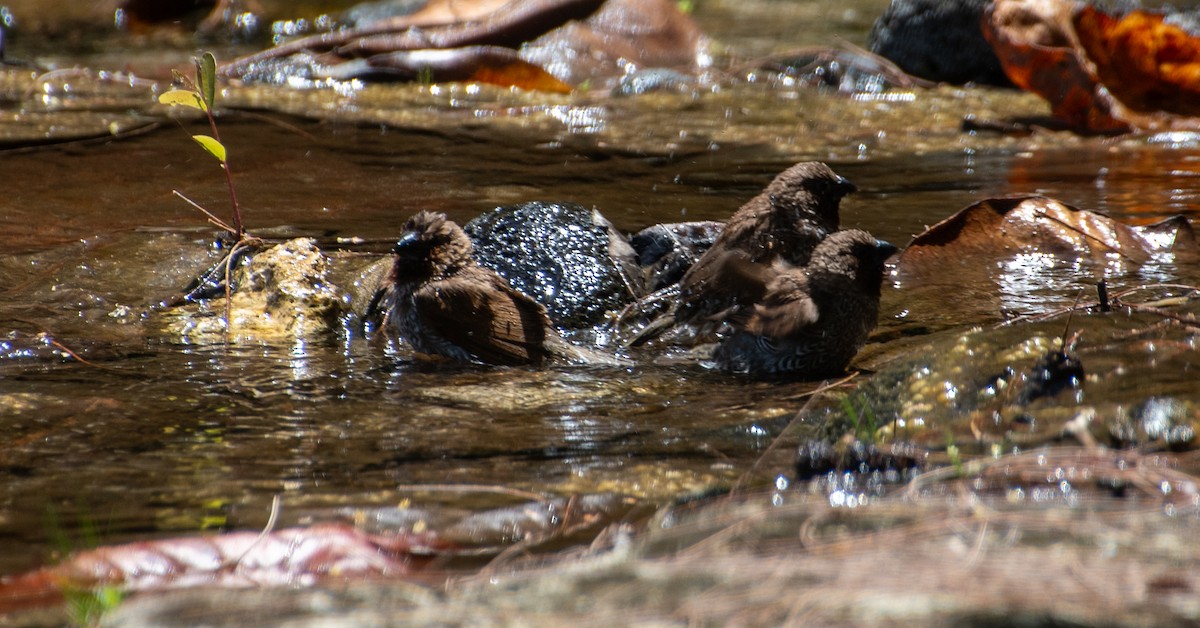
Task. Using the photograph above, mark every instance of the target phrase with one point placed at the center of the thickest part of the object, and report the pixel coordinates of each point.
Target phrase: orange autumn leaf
(1144, 62)
(1038, 50)
(520, 74)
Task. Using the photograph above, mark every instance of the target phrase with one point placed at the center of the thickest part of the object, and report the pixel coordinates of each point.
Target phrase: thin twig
(45, 335)
(211, 218)
(276, 504)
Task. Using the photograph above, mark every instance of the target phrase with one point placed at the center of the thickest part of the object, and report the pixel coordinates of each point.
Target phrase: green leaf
(182, 97)
(206, 76)
(215, 148)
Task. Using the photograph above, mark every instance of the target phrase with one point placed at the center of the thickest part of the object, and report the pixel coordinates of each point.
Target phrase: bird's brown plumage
(443, 303)
(785, 222)
(811, 320)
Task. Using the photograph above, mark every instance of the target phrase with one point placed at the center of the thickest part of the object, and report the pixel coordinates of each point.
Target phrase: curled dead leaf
(558, 42)
(236, 559)
(485, 64)
(1146, 63)
(1037, 47)
(1100, 73)
(1022, 255)
(1005, 226)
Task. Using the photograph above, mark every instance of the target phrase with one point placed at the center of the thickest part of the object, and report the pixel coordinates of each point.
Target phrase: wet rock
(848, 70)
(654, 80)
(666, 251)
(1165, 422)
(568, 258)
(818, 457)
(990, 390)
(282, 294)
(1057, 371)
(937, 40)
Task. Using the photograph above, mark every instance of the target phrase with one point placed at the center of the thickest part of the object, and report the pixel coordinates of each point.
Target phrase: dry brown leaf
(560, 41)
(1036, 224)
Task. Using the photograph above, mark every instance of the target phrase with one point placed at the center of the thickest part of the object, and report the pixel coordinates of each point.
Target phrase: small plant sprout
(866, 425)
(202, 94)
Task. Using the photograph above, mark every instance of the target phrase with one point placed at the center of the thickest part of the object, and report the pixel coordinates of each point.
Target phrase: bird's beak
(845, 186)
(404, 242)
(884, 250)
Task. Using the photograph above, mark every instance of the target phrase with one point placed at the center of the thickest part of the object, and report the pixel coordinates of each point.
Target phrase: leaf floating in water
(237, 559)
(1035, 224)
(485, 64)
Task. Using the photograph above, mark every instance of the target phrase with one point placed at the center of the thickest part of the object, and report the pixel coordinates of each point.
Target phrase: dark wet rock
(666, 251)
(938, 40)
(1057, 371)
(567, 257)
(214, 281)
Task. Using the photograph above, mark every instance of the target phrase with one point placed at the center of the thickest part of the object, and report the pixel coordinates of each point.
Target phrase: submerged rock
(666, 251)
(282, 294)
(569, 258)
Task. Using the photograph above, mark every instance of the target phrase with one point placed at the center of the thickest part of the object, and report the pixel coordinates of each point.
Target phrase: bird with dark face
(443, 303)
(810, 321)
(785, 222)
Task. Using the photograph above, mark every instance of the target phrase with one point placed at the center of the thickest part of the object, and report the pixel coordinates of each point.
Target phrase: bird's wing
(486, 317)
(730, 280)
(787, 308)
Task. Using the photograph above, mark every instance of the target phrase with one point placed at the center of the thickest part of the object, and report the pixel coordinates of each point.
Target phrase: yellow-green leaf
(182, 97)
(206, 76)
(215, 148)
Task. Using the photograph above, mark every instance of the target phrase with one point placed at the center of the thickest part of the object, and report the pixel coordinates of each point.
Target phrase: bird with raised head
(439, 300)
(810, 321)
(786, 221)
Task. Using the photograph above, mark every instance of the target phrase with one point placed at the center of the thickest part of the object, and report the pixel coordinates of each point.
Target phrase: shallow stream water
(154, 436)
